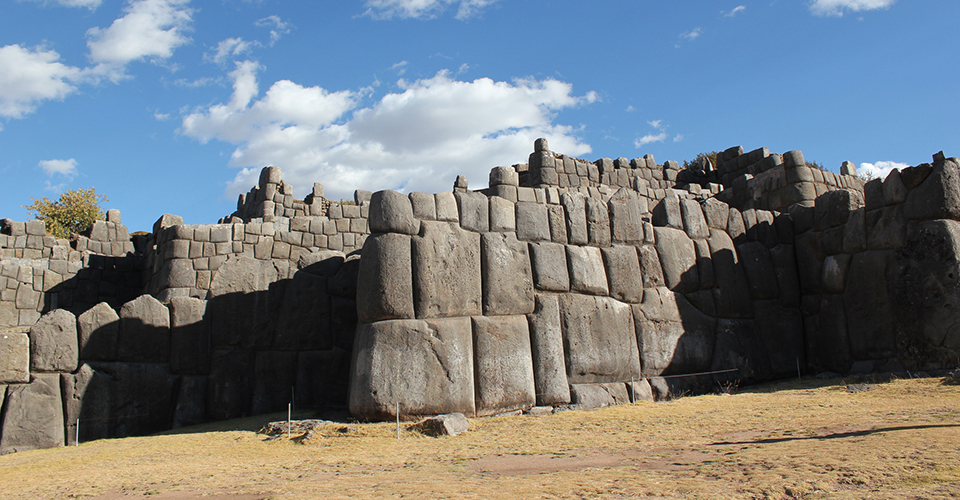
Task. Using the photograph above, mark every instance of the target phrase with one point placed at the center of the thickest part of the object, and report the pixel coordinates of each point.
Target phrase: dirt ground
(808, 439)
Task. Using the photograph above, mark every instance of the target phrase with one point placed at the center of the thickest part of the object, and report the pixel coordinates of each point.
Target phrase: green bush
(74, 212)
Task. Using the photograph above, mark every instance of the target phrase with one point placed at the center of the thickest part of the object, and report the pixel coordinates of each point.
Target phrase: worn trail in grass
(899, 440)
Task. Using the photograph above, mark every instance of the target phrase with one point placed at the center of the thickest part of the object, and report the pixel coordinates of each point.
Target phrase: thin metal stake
(633, 391)
(77, 442)
(289, 405)
(798, 370)
(398, 421)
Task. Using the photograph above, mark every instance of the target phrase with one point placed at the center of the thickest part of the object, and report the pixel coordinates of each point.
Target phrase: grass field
(808, 439)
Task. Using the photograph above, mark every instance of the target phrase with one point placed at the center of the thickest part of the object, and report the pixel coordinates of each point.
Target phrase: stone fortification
(561, 282)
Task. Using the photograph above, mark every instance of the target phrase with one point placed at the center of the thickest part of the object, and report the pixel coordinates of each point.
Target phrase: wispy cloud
(400, 67)
(651, 138)
(278, 27)
(736, 10)
(89, 4)
(423, 9)
(692, 34)
(227, 49)
(66, 168)
(836, 8)
(678, 138)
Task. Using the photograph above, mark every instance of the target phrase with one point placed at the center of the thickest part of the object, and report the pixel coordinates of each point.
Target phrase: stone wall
(613, 280)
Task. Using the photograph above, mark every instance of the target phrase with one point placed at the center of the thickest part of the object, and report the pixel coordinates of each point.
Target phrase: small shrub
(74, 212)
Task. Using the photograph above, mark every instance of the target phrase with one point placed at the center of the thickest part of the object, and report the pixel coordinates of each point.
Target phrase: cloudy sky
(173, 106)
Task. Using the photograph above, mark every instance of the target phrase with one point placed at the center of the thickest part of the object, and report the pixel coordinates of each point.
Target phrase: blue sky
(173, 106)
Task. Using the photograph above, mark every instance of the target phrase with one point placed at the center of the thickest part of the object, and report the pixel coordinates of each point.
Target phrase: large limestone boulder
(869, 308)
(144, 331)
(623, 273)
(507, 276)
(14, 358)
(732, 293)
(274, 376)
(424, 366)
(303, 318)
(599, 395)
(673, 336)
(601, 345)
(678, 259)
(385, 280)
(446, 272)
(626, 224)
(189, 336)
(739, 346)
(504, 364)
(925, 287)
(574, 205)
(230, 384)
(323, 378)
(241, 303)
(33, 415)
(53, 342)
(549, 265)
(938, 196)
(587, 274)
(392, 212)
(98, 328)
(546, 345)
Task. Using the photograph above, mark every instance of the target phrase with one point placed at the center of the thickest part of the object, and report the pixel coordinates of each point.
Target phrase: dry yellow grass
(899, 440)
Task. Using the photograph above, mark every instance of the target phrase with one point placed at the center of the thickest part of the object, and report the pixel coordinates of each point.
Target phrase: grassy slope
(899, 440)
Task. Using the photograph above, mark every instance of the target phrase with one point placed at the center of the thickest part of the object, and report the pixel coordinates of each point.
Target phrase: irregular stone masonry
(592, 290)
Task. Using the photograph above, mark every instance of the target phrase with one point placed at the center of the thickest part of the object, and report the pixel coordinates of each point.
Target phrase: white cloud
(692, 34)
(66, 168)
(630, 108)
(836, 7)
(417, 140)
(736, 10)
(278, 27)
(150, 29)
(400, 67)
(650, 138)
(161, 116)
(678, 138)
(89, 4)
(229, 48)
(30, 76)
(880, 169)
(388, 9)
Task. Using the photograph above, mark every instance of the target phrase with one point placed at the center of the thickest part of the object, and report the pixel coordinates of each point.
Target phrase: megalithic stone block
(391, 212)
(33, 415)
(506, 273)
(424, 366)
(504, 364)
(98, 328)
(446, 272)
(601, 345)
(144, 331)
(678, 258)
(14, 358)
(546, 343)
(623, 273)
(54, 345)
(574, 205)
(385, 279)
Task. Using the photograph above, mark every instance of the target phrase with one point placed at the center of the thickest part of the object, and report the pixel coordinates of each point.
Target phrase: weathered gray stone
(574, 204)
(809, 261)
(502, 215)
(938, 196)
(532, 222)
(739, 345)
(678, 258)
(504, 175)
(546, 344)
(14, 358)
(704, 264)
(587, 274)
(732, 294)
(599, 395)
(757, 265)
(868, 305)
(424, 206)
(274, 375)
(190, 402)
(385, 282)
(667, 213)
(504, 364)
(506, 273)
(885, 228)
(189, 336)
(827, 340)
(781, 334)
(558, 224)
(33, 415)
(914, 176)
(650, 266)
(549, 267)
(716, 213)
(601, 345)
(115, 400)
(925, 287)
(694, 222)
(788, 282)
(446, 259)
(391, 212)
(834, 273)
(854, 233)
(626, 224)
(449, 424)
(735, 227)
(474, 209)
(833, 208)
(673, 336)
(323, 378)
(239, 306)
(623, 273)
(894, 192)
(144, 331)
(98, 328)
(230, 384)
(447, 210)
(53, 343)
